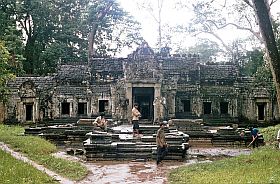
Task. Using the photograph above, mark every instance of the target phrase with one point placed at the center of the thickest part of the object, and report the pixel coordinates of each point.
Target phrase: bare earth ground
(128, 172)
(119, 172)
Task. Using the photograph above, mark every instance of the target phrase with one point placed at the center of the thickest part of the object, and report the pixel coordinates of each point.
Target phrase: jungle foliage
(41, 34)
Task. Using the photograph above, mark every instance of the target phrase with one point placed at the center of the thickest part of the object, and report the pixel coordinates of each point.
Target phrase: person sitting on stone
(101, 122)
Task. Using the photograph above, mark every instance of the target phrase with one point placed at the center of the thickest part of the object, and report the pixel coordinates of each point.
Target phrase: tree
(213, 18)
(55, 31)
(44, 23)
(110, 29)
(207, 50)
(5, 71)
(155, 11)
(252, 62)
(262, 13)
(11, 36)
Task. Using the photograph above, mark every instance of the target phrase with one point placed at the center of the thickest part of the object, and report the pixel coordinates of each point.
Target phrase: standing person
(254, 134)
(135, 119)
(161, 144)
(101, 122)
(278, 137)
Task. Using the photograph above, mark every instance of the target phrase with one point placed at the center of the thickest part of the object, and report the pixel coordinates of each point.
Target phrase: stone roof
(218, 73)
(40, 83)
(71, 90)
(106, 69)
(72, 74)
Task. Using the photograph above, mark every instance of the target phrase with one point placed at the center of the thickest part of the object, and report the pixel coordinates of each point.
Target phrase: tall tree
(207, 50)
(154, 9)
(47, 22)
(252, 62)
(5, 71)
(262, 12)
(10, 35)
(110, 28)
(212, 18)
(97, 15)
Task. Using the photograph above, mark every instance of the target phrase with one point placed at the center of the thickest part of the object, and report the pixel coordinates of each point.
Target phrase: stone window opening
(65, 108)
(207, 107)
(224, 107)
(82, 108)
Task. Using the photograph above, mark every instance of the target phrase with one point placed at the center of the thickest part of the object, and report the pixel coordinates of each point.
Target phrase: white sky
(173, 16)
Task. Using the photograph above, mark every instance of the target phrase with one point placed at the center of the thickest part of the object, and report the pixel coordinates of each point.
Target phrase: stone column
(129, 97)
(157, 104)
(173, 103)
(113, 103)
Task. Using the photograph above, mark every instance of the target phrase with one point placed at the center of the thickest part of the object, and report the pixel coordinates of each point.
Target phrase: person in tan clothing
(161, 144)
(101, 122)
(135, 119)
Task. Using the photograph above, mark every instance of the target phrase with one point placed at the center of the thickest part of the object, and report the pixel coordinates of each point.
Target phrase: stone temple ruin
(165, 87)
(177, 88)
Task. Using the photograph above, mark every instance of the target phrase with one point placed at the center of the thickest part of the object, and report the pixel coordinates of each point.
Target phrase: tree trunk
(90, 44)
(29, 55)
(263, 15)
(92, 33)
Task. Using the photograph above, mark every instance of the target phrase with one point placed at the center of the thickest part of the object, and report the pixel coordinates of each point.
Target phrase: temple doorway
(29, 112)
(144, 97)
(261, 111)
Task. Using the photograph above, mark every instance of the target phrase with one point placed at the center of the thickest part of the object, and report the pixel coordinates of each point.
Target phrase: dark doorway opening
(144, 97)
(82, 108)
(207, 107)
(224, 107)
(187, 105)
(103, 105)
(65, 108)
(29, 112)
(261, 111)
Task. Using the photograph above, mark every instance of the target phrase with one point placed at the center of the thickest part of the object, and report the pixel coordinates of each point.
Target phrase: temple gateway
(164, 86)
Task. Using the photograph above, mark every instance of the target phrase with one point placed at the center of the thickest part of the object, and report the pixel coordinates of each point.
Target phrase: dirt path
(20, 156)
(132, 172)
(128, 172)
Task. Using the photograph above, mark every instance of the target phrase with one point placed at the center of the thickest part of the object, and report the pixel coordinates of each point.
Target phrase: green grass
(15, 171)
(261, 167)
(40, 151)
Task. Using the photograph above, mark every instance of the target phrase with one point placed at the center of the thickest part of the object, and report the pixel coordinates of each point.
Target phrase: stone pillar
(157, 104)
(173, 104)
(113, 103)
(129, 97)
(36, 111)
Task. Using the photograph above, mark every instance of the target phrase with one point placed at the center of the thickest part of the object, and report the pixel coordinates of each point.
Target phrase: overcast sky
(172, 16)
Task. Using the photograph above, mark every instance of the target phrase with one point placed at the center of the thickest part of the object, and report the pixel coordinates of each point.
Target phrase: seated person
(101, 122)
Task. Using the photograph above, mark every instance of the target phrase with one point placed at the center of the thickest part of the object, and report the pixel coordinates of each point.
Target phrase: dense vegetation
(41, 34)
(262, 166)
(40, 151)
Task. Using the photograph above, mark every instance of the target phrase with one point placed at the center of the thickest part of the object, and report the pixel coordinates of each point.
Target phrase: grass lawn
(40, 150)
(16, 171)
(261, 167)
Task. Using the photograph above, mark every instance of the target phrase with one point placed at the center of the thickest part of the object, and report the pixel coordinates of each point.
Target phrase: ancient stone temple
(164, 86)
